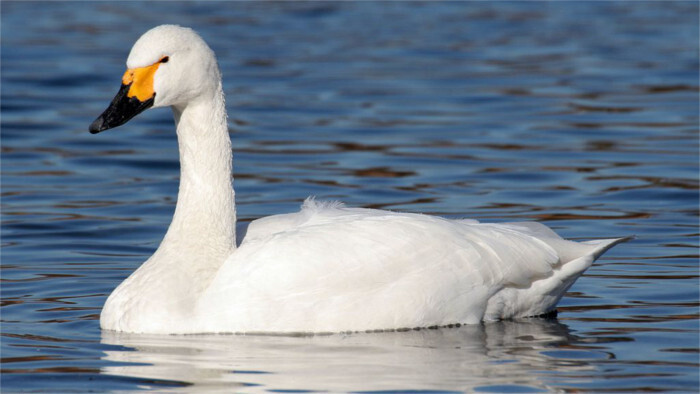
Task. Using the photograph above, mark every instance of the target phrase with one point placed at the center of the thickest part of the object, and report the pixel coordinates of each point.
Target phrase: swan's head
(168, 66)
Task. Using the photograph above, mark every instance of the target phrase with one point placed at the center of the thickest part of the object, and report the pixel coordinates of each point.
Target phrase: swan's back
(330, 268)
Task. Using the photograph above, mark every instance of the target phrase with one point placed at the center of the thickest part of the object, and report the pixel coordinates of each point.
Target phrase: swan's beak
(120, 111)
(135, 96)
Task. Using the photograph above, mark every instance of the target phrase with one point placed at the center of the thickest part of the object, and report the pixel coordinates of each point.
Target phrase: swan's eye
(164, 59)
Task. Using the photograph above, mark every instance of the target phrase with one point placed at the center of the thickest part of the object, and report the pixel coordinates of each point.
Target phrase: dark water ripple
(582, 115)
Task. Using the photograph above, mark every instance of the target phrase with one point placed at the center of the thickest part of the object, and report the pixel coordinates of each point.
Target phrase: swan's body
(327, 268)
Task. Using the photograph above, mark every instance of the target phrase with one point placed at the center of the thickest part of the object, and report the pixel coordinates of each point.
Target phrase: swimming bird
(326, 268)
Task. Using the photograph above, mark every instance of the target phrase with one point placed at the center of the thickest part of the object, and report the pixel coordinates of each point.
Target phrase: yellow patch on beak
(141, 81)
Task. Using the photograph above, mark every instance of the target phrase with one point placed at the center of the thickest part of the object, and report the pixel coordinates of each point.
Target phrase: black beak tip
(97, 126)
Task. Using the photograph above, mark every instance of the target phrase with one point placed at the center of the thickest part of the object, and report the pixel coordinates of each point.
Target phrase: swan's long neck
(205, 215)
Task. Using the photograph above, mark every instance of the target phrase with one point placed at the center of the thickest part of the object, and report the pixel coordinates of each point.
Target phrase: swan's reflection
(502, 353)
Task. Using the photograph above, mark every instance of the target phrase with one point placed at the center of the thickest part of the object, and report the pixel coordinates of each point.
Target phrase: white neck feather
(205, 215)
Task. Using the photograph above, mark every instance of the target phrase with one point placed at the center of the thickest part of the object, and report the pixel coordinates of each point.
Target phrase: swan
(325, 269)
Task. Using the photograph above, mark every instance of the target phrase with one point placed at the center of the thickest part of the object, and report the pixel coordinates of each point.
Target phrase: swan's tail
(604, 244)
(573, 269)
(543, 295)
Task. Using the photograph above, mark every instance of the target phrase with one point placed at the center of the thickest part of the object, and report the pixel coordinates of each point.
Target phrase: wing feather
(316, 268)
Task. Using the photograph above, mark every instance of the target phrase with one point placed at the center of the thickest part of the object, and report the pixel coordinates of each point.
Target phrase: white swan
(327, 268)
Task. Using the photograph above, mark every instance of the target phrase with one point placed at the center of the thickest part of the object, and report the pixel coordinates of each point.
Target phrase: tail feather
(543, 295)
(604, 244)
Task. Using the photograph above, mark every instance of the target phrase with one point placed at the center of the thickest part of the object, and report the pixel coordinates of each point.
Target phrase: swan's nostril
(128, 77)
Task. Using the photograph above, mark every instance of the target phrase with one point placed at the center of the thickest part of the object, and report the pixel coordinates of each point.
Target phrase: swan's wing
(269, 225)
(338, 268)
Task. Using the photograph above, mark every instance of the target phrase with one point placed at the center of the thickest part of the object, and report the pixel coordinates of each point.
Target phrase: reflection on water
(583, 115)
(513, 354)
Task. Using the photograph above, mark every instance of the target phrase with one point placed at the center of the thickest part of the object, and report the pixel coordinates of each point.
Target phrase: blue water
(582, 115)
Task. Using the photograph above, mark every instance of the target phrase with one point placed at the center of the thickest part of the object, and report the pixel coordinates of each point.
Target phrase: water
(581, 115)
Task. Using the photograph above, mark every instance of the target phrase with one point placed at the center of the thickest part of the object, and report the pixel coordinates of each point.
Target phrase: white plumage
(327, 268)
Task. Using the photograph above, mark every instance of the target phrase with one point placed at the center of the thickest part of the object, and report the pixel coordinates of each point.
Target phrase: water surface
(581, 115)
